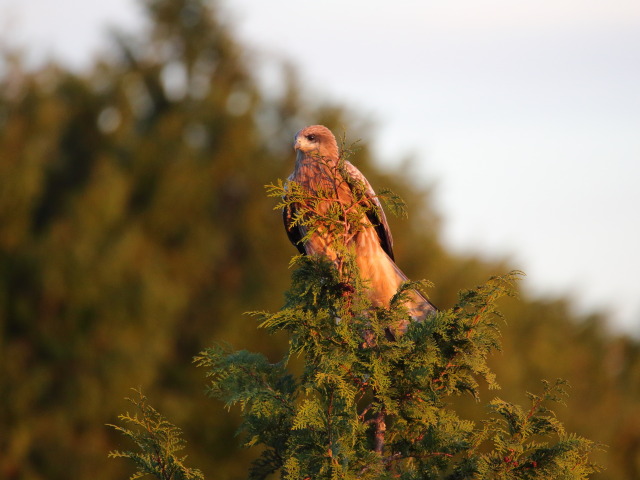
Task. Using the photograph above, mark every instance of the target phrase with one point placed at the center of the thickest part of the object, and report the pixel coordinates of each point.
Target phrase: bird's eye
(311, 137)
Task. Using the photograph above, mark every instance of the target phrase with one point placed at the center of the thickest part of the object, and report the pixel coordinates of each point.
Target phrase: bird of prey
(319, 171)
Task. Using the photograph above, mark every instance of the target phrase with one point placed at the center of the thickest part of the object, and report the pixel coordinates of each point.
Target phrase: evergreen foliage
(159, 442)
(371, 405)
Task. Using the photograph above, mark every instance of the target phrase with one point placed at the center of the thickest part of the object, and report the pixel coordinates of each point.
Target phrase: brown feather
(316, 169)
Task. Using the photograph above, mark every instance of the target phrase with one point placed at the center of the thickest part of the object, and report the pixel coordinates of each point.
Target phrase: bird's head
(316, 140)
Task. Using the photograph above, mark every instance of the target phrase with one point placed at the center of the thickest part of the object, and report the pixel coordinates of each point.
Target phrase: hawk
(319, 171)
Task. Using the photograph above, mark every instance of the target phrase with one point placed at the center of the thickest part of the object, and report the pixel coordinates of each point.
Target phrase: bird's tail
(418, 306)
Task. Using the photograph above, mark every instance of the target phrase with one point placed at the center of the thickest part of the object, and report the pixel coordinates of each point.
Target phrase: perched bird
(320, 172)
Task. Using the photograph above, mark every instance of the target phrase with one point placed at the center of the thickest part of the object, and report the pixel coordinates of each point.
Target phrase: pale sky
(528, 110)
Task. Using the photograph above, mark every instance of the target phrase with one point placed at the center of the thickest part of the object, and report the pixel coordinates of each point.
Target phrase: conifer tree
(371, 404)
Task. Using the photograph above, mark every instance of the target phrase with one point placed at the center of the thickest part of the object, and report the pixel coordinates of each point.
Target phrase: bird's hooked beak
(297, 143)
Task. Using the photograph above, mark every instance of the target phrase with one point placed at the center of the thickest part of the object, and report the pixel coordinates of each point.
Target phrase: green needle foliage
(367, 402)
(383, 411)
(371, 405)
(519, 447)
(159, 442)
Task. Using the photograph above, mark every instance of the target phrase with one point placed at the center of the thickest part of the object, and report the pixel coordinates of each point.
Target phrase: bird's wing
(294, 232)
(357, 180)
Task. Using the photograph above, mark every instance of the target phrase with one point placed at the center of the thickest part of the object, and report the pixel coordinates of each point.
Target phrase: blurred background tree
(135, 230)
